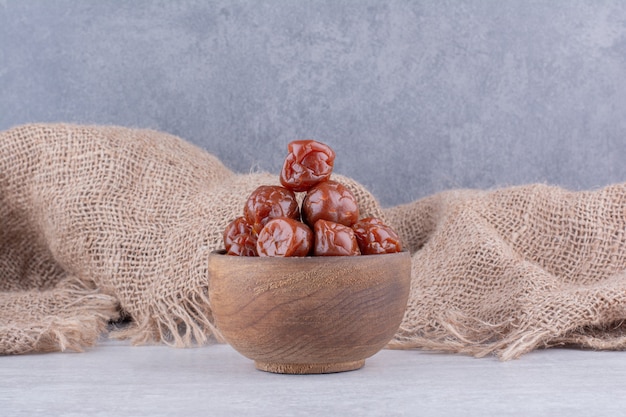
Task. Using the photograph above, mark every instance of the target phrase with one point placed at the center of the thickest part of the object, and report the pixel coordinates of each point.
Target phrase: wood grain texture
(309, 315)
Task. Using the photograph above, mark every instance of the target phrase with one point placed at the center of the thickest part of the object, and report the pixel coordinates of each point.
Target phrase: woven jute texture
(510, 270)
(102, 223)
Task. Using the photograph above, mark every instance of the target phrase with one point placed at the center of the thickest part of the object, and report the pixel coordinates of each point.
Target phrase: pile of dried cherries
(327, 224)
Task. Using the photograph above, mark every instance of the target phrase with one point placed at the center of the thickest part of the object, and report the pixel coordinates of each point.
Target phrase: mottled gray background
(415, 96)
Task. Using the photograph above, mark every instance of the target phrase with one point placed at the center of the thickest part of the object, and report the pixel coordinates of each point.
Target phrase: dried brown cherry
(375, 237)
(269, 202)
(307, 163)
(239, 239)
(331, 201)
(284, 237)
(334, 239)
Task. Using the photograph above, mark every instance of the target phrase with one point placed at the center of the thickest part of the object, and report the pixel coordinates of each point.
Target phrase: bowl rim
(222, 253)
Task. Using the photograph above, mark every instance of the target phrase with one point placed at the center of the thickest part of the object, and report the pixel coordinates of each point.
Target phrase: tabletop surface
(115, 378)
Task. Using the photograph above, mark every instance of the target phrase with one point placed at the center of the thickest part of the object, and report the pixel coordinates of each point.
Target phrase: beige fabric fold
(99, 223)
(510, 270)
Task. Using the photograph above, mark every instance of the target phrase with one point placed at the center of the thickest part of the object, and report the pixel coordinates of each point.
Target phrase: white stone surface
(115, 379)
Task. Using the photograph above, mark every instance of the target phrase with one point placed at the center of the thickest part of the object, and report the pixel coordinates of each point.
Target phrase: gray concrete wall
(415, 96)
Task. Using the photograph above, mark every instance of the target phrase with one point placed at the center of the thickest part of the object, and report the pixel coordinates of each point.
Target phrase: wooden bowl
(309, 315)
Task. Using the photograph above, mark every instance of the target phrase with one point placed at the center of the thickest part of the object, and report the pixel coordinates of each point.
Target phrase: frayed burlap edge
(179, 323)
(73, 326)
(509, 345)
(495, 339)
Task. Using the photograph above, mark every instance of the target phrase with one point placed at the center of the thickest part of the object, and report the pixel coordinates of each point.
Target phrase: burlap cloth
(99, 224)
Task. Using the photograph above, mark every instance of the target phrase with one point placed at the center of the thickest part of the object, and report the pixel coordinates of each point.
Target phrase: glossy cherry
(268, 202)
(308, 163)
(334, 239)
(331, 201)
(284, 237)
(375, 237)
(239, 239)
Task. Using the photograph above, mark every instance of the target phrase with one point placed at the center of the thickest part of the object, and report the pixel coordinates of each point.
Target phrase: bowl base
(308, 368)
